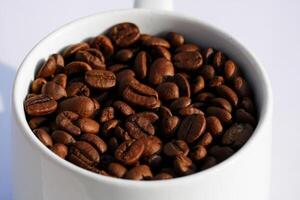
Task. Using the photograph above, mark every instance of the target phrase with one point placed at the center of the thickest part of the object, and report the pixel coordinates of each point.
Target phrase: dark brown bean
(237, 135)
(124, 55)
(241, 87)
(230, 70)
(220, 153)
(222, 103)
(186, 60)
(208, 72)
(175, 39)
(183, 165)
(208, 55)
(85, 152)
(219, 60)
(72, 49)
(95, 141)
(37, 85)
(100, 79)
(180, 103)
(214, 126)
(61, 79)
(140, 65)
(48, 69)
(123, 108)
(198, 84)
(39, 105)
(43, 136)
(248, 105)
(62, 137)
(64, 121)
(199, 153)
(109, 126)
(93, 57)
(170, 125)
(141, 172)
(243, 116)
(107, 114)
(160, 52)
(54, 90)
(186, 48)
(37, 122)
(77, 67)
(60, 149)
(168, 91)
(160, 68)
(156, 41)
(152, 145)
(163, 176)
(104, 44)
(222, 114)
(216, 81)
(190, 110)
(124, 34)
(175, 148)
(227, 93)
(138, 127)
(183, 84)
(205, 139)
(78, 89)
(130, 151)
(209, 162)
(88, 125)
(116, 170)
(115, 68)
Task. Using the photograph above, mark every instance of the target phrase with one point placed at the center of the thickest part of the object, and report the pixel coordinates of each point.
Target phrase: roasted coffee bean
(175, 39)
(187, 48)
(100, 79)
(230, 70)
(206, 139)
(160, 52)
(124, 55)
(168, 108)
(60, 149)
(183, 84)
(123, 108)
(180, 103)
(95, 141)
(109, 126)
(208, 72)
(37, 85)
(104, 44)
(222, 103)
(168, 91)
(243, 116)
(130, 151)
(78, 89)
(237, 135)
(214, 126)
(39, 105)
(48, 69)
(183, 165)
(88, 125)
(160, 68)
(191, 128)
(72, 49)
(152, 145)
(175, 148)
(62, 137)
(43, 136)
(156, 41)
(93, 57)
(124, 34)
(140, 65)
(141, 172)
(83, 106)
(65, 120)
(199, 153)
(77, 67)
(187, 60)
(222, 114)
(170, 125)
(227, 93)
(116, 169)
(107, 114)
(220, 153)
(54, 90)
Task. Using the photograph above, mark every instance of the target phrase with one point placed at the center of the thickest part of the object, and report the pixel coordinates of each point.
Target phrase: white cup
(40, 174)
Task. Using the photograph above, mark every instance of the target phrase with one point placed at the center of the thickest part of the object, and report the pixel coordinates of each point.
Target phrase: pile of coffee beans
(141, 107)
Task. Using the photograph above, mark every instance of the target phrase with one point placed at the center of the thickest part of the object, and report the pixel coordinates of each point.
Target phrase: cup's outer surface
(41, 175)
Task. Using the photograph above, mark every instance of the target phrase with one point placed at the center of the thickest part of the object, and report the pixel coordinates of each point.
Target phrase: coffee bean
(186, 48)
(154, 162)
(100, 79)
(248, 105)
(140, 65)
(156, 41)
(160, 52)
(107, 114)
(222, 103)
(141, 172)
(61, 79)
(123, 108)
(104, 44)
(152, 145)
(93, 57)
(237, 135)
(37, 122)
(209, 162)
(78, 89)
(230, 70)
(121, 134)
(191, 128)
(222, 114)
(163, 176)
(175, 148)
(198, 84)
(208, 55)
(39, 105)
(243, 116)
(62, 137)
(228, 93)
(220, 153)
(124, 34)
(88, 125)
(219, 60)
(130, 151)
(60, 149)
(175, 39)
(208, 72)
(206, 139)
(43, 136)
(77, 67)
(183, 84)
(72, 49)
(168, 91)
(48, 69)
(190, 110)
(139, 127)
(214, 126)
(170, 125)
(183, 165)
(241, 87)
(54, 90)
(187, 60)
(85, 152)
(199, 153)
(112, 144)
(160, 68)
(150, 116)
(216, 81)
(83, 106)
(37, 85)
(109, 126)
(164, 112)
(116, 67)
(124, 55)
(204, 96)
(180, 103)
(95, 141)
(116, 170)
(65, 119)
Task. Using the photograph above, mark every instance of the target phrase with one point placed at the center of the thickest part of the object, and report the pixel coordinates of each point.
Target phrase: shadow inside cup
(7, 74)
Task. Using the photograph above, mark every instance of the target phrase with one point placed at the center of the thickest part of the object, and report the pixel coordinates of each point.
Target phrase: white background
(270, 28)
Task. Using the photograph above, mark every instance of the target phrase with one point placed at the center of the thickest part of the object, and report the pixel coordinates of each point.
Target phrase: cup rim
(265, 116)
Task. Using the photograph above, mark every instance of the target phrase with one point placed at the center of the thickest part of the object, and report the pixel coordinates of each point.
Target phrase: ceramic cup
(41, 175)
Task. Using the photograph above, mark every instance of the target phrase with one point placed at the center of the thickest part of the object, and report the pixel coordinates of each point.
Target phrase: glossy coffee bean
(116, 170)
(100, 79)
(184, 165)
(124, 34)
(43, 136)
(188, 60)
(39, 105)
(103, 44)
(60, 149)
(237, 135)
(175, 148)
(62, 137)
(160, 67)
(130, 151)
(141, 172)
